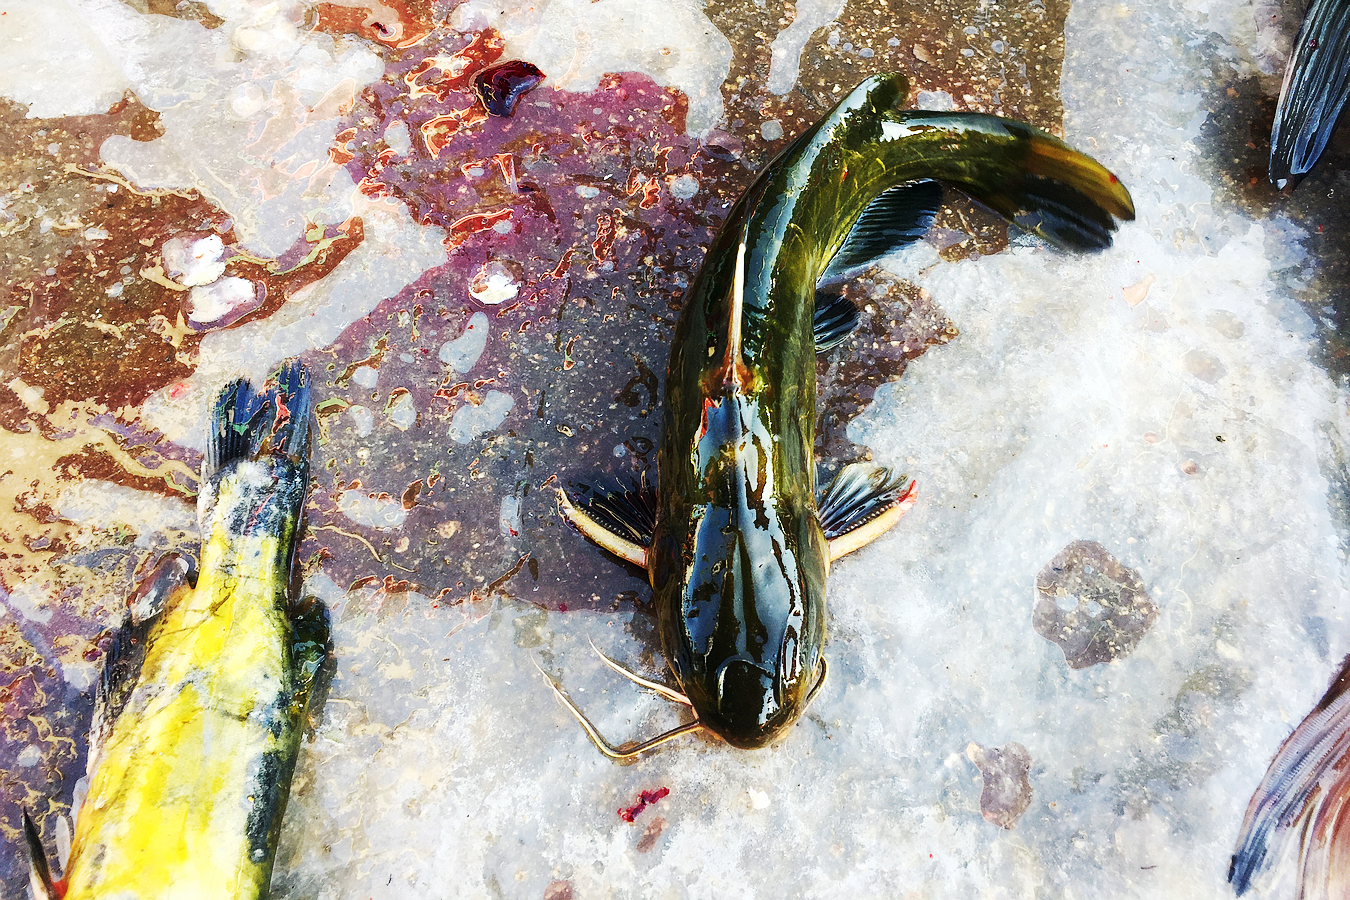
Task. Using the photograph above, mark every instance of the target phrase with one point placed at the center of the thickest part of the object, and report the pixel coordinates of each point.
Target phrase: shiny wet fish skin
(737, 555)
(200, 714)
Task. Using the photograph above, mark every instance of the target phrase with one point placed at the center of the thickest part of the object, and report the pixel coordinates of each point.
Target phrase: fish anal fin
(615, 521)
(39, 871)
(894, 219)
(863, 502)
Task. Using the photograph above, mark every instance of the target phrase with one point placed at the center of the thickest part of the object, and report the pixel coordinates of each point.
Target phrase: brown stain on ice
(1007, 783)
(1092, 605)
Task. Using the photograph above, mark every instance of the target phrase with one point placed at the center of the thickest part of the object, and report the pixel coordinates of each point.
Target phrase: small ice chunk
(494, 284)
(402, 412)
(29, 756)
(508, 518)
(935, 100)
(222, 302)
(471, 421)
(684, 187)
(462, 353)
(586, 191)
(771, 130)
(398, 138)
(363, 420)
(366, 377)
(192, 262)
(247, 100)
(372, 512)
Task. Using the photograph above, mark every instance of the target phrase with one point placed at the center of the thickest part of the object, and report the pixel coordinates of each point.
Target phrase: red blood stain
(645, 799)
(455, 70)
(650, 189)
(604, 237)
(339, 153)
(474, 223)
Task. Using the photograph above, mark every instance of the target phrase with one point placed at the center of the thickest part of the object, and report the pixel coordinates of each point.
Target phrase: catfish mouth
(747, 712)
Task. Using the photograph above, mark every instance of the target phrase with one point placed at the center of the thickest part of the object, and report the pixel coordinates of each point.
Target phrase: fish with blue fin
(1316, 85)
(1304, 797)
(735, 539)
(203, 699)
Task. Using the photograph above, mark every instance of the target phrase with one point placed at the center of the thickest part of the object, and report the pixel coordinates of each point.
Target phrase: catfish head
(740, 580)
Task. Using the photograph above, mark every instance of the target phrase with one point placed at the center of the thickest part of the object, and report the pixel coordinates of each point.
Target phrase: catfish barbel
(734, 541)
(199, 713)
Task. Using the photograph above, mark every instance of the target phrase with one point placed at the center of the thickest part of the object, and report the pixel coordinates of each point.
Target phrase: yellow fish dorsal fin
(732, 374)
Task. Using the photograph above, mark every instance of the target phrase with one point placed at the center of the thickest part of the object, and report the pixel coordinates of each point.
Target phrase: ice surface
(1161, 399)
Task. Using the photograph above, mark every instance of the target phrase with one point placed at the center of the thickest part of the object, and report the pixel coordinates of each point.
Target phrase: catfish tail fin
(1026, 175)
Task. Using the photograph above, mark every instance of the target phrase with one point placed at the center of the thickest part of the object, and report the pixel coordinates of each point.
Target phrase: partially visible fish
(1305, 795)
(1316, 85)
(199, 712)
(735, 541)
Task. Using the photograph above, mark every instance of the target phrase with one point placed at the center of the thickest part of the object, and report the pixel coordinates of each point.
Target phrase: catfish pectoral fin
(603, 533)
(862, 503)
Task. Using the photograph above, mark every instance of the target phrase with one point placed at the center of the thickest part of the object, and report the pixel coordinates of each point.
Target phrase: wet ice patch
(153, 518)
(371, 511)
(494, 284)
(363, 420)
(402, 411)
(366, 377)
(223, 302)
(471, 421)
(786, 49)
(461, 353)
(191, 261)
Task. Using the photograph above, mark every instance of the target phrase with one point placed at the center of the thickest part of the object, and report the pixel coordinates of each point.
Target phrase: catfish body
(200, 711)
(740, 546)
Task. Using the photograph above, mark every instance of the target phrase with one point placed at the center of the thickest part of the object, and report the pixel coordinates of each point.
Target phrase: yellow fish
(199, 714)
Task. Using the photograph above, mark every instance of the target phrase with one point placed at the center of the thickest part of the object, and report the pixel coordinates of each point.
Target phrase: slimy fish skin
(200, 711)
(734, 540)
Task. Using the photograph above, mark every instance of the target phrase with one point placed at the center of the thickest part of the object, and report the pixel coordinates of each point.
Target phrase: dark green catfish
(735, 542)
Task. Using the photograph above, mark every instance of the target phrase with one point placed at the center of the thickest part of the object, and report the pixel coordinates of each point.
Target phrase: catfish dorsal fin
(732, 373)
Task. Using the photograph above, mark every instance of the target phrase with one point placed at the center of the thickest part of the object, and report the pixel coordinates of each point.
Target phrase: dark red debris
(645, 799)
(499, 87)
